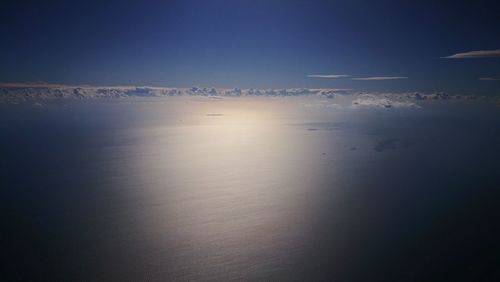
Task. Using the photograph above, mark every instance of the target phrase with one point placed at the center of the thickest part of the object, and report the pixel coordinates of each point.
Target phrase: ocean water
(276, 189)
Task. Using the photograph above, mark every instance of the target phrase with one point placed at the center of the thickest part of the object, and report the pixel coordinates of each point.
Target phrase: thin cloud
(489, 78)
(328, 75)
(379, 78)
(475, 54)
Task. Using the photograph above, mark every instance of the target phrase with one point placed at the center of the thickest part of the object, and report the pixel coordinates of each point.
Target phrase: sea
(249, 189)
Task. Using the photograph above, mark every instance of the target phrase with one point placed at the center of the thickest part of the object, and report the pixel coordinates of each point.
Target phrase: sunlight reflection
(224, 182)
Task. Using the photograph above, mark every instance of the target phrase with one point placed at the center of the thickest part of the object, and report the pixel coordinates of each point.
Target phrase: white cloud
(15, 93)
(328, 75)
(475, 54)
(380, 101)
(489, 78)
(379, 78)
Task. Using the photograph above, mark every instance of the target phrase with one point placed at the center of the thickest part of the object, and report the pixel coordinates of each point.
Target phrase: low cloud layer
(379, 78)
(382, 101)
(476, 54)
(20, 92)
(15, 93)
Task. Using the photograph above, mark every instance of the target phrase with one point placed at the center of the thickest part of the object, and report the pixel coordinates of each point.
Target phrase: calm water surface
(249, 189)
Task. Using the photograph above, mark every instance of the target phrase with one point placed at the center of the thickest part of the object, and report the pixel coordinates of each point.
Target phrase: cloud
(15, 93)
(328, 75)
(489, 78)
(378, 101)
(379, 78)
(475, 54)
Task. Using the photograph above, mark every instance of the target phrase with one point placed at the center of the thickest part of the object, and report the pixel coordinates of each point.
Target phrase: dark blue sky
(252, 43)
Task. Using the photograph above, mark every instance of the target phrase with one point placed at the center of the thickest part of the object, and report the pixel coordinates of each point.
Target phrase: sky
(357, 44)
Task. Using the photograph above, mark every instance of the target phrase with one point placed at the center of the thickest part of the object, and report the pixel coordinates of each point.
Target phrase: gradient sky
(253, 43)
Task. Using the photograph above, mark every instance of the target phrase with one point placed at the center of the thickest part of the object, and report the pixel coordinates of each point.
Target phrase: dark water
(249, 189)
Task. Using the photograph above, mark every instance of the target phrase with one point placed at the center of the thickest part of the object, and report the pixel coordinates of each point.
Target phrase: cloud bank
(381, 101)
(21, 92)
(16, 93)
(475, 54)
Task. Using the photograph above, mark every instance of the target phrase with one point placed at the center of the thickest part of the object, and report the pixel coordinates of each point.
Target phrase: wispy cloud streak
(475, 54)
(328, 75)
(379, 78)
